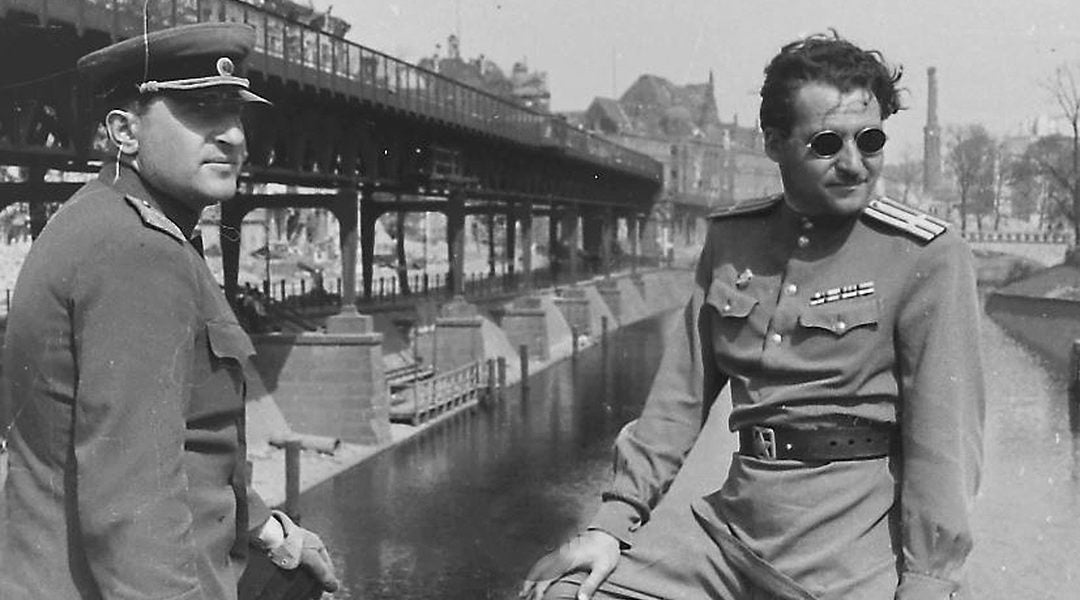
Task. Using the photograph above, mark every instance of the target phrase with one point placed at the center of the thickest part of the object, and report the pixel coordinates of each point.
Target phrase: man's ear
(774, 141)
(123, 129)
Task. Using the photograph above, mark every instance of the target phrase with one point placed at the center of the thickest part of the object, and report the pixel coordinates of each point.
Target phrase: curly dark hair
(829, 59)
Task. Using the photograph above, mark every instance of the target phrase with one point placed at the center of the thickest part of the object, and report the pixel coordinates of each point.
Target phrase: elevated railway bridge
(363, 133)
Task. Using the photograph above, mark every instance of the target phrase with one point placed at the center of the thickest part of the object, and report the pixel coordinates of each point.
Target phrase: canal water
(463, 510)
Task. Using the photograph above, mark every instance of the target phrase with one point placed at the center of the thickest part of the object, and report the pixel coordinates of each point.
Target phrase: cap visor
(250, 96)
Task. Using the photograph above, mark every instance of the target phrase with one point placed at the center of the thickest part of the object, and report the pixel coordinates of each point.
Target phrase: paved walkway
(1027, 517)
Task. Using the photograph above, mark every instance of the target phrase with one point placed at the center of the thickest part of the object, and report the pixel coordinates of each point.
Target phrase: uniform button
(727, 307)
(776, 338)
(791, 289)
(803, 241)
(841, 326)
(807, 224)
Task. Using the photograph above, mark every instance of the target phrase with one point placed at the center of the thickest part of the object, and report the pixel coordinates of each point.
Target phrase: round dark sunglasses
(828, 143)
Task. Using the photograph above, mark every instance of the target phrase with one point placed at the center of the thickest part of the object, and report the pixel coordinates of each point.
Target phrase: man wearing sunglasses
(126, 399)
(846, 327)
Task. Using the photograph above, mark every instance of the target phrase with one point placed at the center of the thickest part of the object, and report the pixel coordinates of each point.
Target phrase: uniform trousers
(669, 563)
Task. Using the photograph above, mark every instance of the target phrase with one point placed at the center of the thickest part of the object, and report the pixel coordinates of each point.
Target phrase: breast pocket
(728, 301)
(734, 308)
(841, 318)
(230, 347)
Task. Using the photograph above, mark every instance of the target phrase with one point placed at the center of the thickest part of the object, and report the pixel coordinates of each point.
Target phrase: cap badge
(744, 278)
(225, 66)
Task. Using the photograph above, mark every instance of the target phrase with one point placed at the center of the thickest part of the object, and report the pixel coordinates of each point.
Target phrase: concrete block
(609, 291)
(598, 309)
(328, 384)
(458, 341)
(632, 305)
(525, 326)
(574, 306)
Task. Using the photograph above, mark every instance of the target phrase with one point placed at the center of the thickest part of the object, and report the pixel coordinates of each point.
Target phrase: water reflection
(462, 511)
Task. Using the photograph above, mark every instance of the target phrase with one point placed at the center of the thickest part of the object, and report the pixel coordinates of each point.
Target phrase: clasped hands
(300, 547)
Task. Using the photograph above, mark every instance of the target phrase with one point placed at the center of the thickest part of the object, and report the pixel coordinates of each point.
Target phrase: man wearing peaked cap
(845, 326)
(127, 453)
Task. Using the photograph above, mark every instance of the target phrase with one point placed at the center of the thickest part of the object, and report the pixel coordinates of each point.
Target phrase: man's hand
(594, 551)
(302, 547)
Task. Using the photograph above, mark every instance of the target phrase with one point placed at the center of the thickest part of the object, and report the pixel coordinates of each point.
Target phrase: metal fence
(309, 56)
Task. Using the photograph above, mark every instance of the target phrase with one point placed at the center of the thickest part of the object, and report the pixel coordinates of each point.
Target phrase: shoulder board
(153, 218)
(905, 218)
(747, 207)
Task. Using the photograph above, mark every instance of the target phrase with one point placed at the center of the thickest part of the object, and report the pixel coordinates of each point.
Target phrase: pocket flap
(841, 318)
(229, 340)
(728, 301)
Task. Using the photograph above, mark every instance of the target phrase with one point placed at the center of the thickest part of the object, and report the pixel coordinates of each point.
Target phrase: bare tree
(907, 175)
(999, 181)
(971, 153)
(1065, 89)
(1040, 182)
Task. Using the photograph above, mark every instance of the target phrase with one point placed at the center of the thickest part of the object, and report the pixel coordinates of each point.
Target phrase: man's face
(191, 146)
(835, 185)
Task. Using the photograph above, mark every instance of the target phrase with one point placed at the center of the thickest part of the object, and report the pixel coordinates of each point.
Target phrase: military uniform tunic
(815, 322)
(127, 470)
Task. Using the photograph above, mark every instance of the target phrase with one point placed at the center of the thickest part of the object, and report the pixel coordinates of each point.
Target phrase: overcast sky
(993, 56)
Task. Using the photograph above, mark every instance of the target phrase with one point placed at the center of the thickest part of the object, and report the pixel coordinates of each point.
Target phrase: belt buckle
(764, 442)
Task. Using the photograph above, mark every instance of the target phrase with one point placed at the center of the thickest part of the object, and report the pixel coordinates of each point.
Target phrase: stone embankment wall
(1042, 311)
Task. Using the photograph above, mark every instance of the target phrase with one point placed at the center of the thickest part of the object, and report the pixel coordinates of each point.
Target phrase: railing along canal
(424, 399)
(312, 57)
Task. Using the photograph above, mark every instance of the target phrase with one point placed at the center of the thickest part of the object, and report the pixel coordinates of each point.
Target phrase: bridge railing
(1018, 237)
(311, 57)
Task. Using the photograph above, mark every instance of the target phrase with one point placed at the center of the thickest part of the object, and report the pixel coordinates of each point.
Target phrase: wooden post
(491, 381)
(523, 352)
(292, 479)
(1074, 387)
(502, 375)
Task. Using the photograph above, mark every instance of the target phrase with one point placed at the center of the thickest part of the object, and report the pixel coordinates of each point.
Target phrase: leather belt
(856, 442)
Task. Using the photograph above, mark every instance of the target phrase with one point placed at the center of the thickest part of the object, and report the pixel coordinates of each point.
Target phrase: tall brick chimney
(931, 137)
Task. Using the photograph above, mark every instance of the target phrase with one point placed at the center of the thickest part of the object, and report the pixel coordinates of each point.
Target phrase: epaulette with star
(748, 207)
(907, 219)
(153, 218)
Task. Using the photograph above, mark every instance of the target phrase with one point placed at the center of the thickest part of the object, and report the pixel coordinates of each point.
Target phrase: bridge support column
(491, 243)
(608, 228)
(455, 240)
(526, 246)
(571, 240)
(553, 242)
(633, 232)
(345, 209)
(369, 216)
(35, 183)
(511, 242)
(650, 231)
(399, 247)
(592, 226)
(232, 221)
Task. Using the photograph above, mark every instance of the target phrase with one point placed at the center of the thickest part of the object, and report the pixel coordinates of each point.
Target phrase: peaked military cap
(179, 59)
